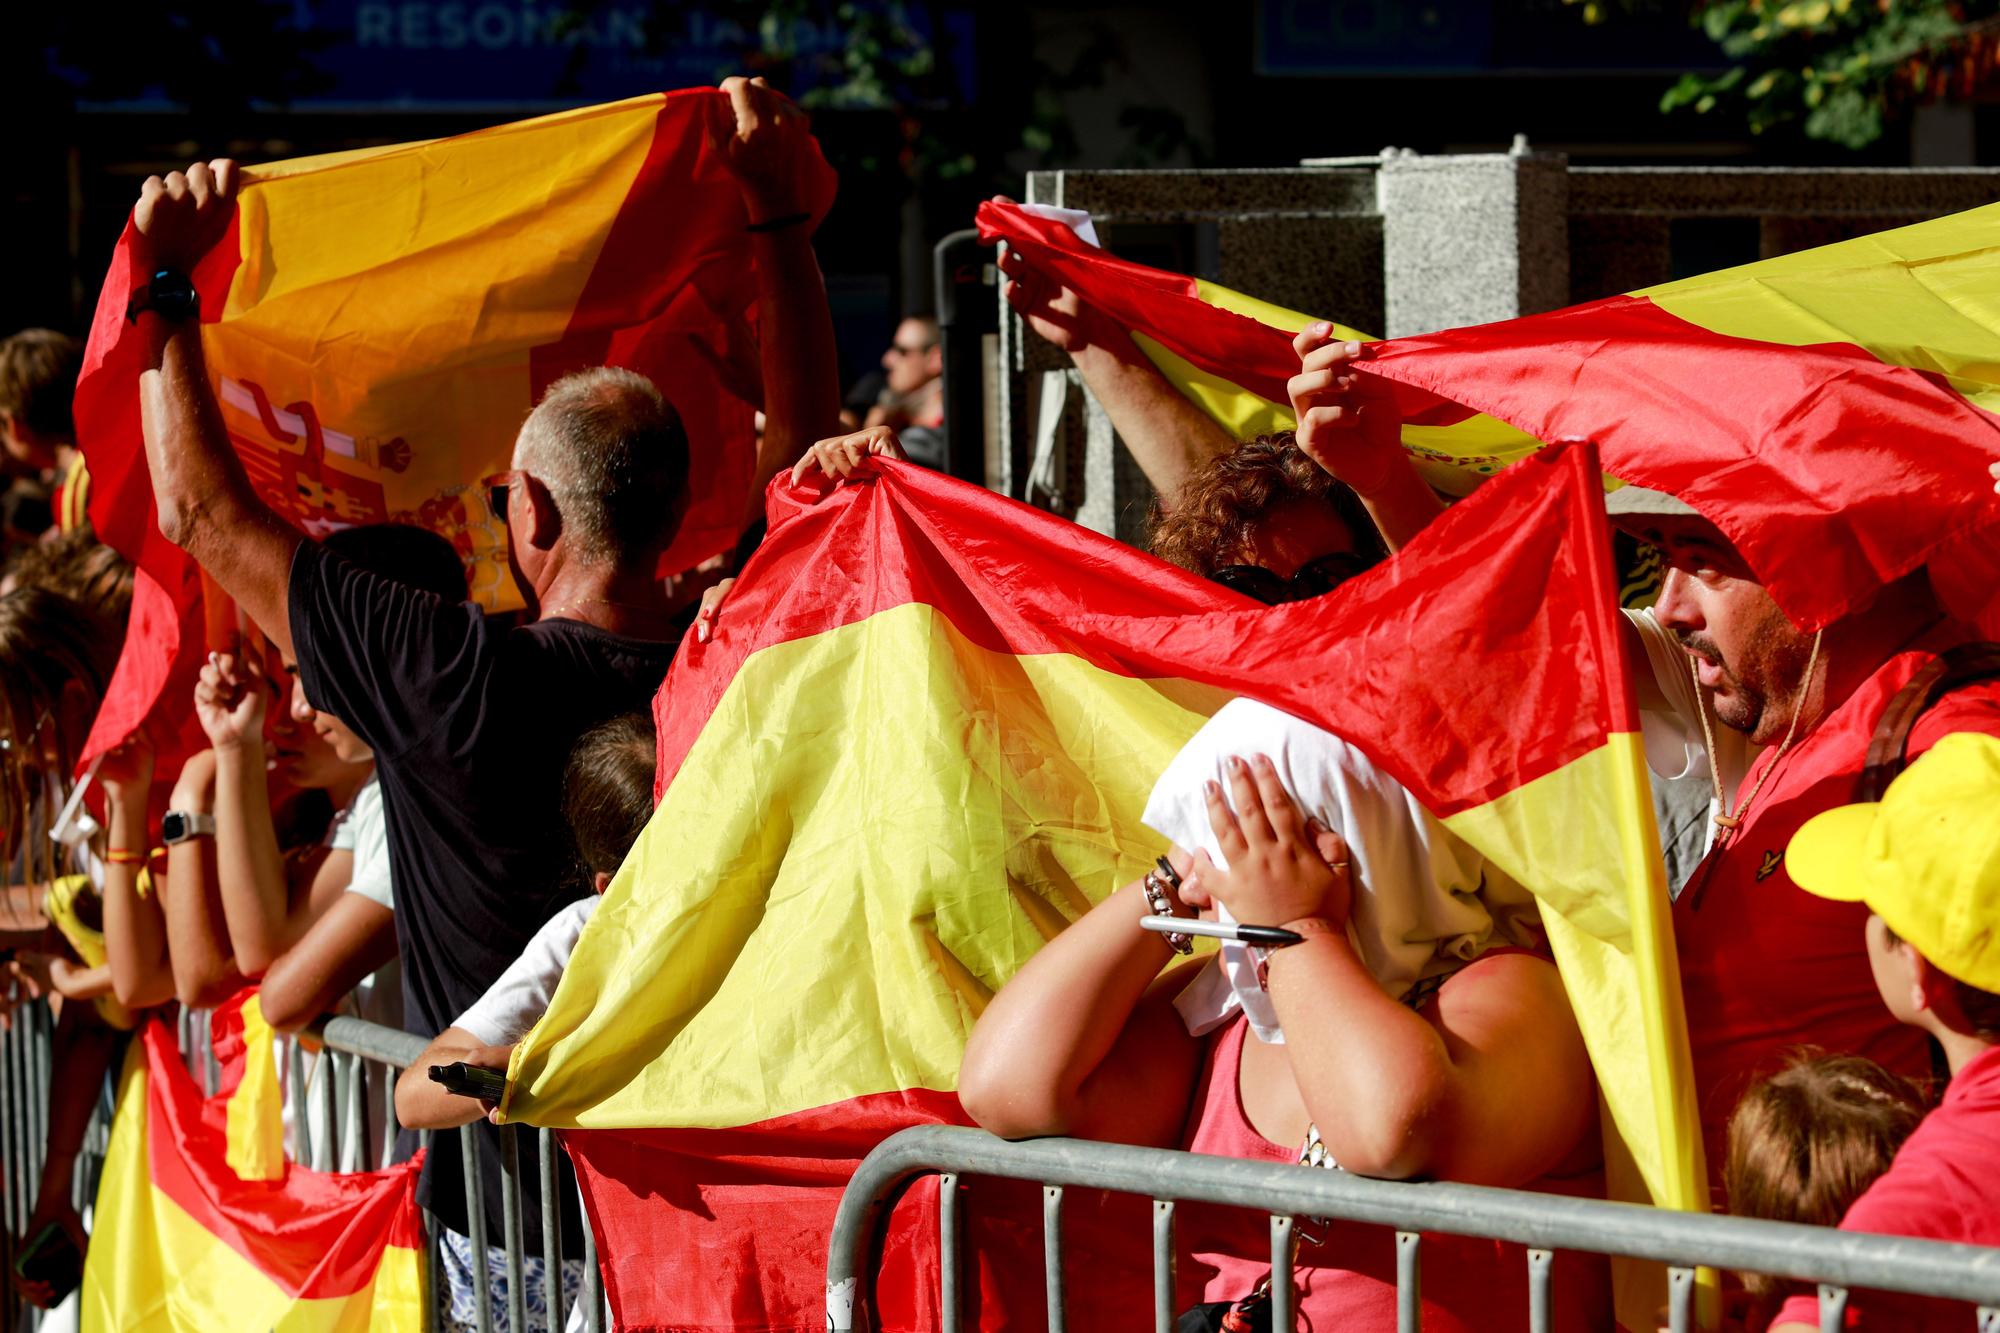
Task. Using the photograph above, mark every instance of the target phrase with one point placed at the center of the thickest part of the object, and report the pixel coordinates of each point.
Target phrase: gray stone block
(1470, 239)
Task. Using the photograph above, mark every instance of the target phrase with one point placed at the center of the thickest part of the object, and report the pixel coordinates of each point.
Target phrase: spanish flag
(1832, 411)
(201, 1224)
(1230, 354)
(920, 744)
(379, 322)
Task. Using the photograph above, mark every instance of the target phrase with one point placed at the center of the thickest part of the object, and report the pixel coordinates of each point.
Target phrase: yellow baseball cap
(1925, 858)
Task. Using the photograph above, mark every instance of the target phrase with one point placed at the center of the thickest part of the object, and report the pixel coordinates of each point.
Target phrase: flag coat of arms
(379, 323)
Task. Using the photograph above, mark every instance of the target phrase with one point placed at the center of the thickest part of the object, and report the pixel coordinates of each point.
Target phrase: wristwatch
(170, 295)
(178, 826)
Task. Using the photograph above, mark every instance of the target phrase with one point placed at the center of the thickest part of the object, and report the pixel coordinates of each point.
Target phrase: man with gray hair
(471, 720)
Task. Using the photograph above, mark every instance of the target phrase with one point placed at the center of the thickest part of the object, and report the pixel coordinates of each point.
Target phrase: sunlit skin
(909, 363)
(311, 749)
(1744, 650)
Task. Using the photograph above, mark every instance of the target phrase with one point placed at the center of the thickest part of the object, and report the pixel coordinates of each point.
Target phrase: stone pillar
(1471, 239)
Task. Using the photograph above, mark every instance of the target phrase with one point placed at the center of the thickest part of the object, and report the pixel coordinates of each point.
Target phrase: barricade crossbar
(1835, 1260)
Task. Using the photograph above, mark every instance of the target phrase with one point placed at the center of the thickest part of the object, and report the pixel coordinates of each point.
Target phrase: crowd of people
(407, 806)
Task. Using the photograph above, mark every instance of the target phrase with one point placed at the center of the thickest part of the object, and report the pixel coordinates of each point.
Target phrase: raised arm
(1348, 424)
(1491, 1085)
(1169, 436)
(262, 910)
(763, 148)
(206, 504)
(1084, 1040)
(344, 945)
(135, 929)
(204, 966)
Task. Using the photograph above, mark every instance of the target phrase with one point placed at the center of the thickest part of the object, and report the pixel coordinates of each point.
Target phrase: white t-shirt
(1675, 747)
(517, 1001)
(1425, 903)
(363, 829)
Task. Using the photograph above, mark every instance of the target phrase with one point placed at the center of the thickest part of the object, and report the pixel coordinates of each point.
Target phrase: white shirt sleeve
(370, 842)
(517, 1001)
(1424, 901)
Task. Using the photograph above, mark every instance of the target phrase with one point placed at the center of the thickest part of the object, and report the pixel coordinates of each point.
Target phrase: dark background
(924, 108)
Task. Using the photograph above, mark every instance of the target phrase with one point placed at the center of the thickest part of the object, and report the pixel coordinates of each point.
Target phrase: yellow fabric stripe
(255, 1128)
(1453, 459)
(436, 269)
(1925, 296)
(59, 905)
(154, 1269)
(846, 889)
(1607, 912)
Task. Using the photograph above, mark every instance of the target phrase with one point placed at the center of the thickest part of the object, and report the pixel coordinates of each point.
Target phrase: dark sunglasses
(496, 487)
(1313, 579)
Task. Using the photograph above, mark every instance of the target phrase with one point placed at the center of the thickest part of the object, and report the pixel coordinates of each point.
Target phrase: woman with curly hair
(1267, 521)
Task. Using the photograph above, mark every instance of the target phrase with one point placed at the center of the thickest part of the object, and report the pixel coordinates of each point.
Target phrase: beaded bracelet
(1159, 886)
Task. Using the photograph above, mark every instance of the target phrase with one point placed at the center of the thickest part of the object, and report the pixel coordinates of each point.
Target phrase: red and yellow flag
(201, 1223)
(920, 744)
(379, 322)
(1230, 354)
(1833, 411)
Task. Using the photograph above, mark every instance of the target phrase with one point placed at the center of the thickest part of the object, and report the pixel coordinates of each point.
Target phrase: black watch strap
(170, 295)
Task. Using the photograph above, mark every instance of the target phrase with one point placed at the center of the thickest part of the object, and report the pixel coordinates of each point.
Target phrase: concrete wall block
(1331, 267)
(1186, 196)
(1466, 240)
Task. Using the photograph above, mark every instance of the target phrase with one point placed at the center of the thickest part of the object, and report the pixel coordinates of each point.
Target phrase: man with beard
(1778, 720)
(1782, 721)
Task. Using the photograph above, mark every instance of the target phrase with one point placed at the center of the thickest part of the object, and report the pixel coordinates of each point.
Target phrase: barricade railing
(1834, 1260)
(332, 1113)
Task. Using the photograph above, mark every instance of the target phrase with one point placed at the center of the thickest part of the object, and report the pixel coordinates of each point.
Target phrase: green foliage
(1840, 69)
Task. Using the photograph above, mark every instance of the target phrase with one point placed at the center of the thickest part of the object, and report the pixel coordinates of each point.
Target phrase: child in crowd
(607, 799)
(1805, 1143)
(1926, 861)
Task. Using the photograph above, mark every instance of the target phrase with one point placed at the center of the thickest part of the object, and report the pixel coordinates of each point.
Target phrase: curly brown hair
(1225, 499)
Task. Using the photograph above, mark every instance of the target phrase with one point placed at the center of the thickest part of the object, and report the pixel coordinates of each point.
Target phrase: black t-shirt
(471, 723)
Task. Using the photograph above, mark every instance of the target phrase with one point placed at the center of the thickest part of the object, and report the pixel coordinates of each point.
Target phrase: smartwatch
(169, 295)
(178, 826)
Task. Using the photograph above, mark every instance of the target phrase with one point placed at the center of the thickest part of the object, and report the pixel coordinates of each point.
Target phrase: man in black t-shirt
(471, 722)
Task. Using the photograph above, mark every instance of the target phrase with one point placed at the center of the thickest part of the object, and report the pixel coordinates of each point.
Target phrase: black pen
(1264, 937)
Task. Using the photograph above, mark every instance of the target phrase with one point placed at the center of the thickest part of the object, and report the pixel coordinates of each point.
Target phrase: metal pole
(1409, 1297)
(948, 1309)
(433, 1267)
(510, 1224)
(1680, 1300)
(593, 1279)
(552, 1256)
(1052, 1265)
(1283, 1294)
(322, 1103)
(1540, 1262)
(353, 1115)
(295, 1086)
(475, 1224)
(1163, 1266)
(1832, 1308)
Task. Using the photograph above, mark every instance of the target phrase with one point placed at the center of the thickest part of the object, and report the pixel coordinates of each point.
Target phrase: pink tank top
(1347, 1280)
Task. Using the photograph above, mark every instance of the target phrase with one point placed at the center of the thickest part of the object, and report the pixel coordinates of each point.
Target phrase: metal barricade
(334, 1094)
(1835, 1260)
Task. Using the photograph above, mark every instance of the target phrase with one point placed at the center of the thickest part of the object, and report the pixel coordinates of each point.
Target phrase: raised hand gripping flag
(1230, 354)
(201, 1224)
(1833, 410)
(920, 744)
(379, 322)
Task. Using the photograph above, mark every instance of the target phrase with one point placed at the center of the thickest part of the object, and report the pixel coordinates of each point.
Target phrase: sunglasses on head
(1313, 579)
